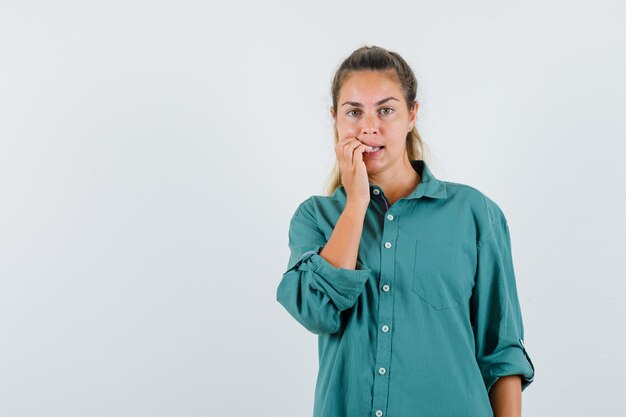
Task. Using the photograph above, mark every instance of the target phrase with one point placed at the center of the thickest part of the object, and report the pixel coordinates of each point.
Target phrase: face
(372, 108)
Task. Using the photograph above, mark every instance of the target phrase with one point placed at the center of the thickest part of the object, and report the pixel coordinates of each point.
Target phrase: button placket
(378, 192)
(385, 313)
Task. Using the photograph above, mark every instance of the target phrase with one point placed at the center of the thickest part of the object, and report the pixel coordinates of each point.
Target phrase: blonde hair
(375, 58)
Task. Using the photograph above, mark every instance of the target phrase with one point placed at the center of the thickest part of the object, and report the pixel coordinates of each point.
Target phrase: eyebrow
(355, 104)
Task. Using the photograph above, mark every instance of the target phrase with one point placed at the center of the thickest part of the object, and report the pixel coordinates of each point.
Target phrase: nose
(370, 126)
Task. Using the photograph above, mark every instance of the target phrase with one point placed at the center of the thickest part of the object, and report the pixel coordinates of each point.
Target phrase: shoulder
(310, 206)
(319, 204)
(305, 209)
(320, 211)
(488, 217)
(482, 205)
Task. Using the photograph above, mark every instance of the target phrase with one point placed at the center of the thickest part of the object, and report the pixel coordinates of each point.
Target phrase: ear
(332, 112)
(413, 116)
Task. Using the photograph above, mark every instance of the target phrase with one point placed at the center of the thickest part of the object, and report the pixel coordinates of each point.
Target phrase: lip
(373, 145)
(369, 155)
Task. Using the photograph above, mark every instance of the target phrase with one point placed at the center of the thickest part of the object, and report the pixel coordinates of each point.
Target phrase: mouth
(375, 152)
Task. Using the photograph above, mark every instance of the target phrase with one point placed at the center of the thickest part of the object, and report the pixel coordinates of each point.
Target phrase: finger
(351, 146)
(345, 141)
(350, 143)
(358, 142)
(358, 153)
(339, 147)
(348, 149)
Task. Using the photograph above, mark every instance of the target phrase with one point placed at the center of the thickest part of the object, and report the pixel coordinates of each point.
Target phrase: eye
(351, 112)
(387, 108)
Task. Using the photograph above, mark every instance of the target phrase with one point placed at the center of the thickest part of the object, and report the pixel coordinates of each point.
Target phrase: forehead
(369, 86)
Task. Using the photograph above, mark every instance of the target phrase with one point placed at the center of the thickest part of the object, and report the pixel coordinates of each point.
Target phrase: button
(390, 216)
(387, 245)
(385, 328)
(382, 371)
(385, 288)
(376, 191)
(379, 413)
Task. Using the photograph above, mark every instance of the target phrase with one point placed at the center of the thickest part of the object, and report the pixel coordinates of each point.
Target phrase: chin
(373, 165)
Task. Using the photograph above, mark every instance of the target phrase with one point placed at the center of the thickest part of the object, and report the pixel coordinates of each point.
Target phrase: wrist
(357, 206)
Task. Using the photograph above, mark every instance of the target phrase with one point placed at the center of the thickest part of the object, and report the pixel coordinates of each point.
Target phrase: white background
(152, 153)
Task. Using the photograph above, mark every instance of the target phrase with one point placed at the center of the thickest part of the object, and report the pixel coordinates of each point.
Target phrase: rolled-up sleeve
(312, 290)
(495, 311)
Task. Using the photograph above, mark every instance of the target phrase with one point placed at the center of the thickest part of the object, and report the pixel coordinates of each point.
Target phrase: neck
(397, 181)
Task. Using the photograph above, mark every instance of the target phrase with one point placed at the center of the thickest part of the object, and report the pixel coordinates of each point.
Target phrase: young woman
(407, 279)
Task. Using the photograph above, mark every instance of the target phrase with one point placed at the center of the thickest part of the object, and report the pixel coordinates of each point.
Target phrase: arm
(506, 396)
(315, 289)
(343, 245)
(497, 323)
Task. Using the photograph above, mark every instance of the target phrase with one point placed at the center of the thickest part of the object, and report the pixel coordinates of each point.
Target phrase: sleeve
(312, 290)
(495, 312)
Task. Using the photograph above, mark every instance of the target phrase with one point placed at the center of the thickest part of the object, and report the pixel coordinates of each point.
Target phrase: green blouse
(429, 319)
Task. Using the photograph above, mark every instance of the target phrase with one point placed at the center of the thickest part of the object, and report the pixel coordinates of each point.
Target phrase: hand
(349, 153)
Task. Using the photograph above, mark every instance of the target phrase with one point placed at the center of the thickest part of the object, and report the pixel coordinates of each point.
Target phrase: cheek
(398, 132)
(397, 141)
(348, 129)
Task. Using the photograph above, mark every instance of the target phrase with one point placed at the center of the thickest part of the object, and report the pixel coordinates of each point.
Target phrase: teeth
(375, 149)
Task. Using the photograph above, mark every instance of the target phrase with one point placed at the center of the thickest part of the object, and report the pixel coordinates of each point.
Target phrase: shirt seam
(304, 217)
(491, 233)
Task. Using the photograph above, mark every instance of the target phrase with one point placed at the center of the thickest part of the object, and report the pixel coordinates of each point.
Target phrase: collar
(429, 185)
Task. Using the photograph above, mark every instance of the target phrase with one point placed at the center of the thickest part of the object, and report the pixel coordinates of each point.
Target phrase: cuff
(513, 360)
(342, 285)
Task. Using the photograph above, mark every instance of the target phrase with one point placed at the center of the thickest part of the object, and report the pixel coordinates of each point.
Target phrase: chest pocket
(438, 274)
